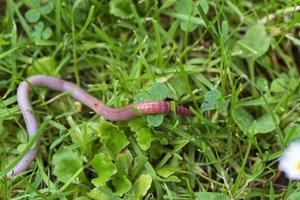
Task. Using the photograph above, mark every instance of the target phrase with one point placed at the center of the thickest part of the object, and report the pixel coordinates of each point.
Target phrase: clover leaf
(40, 32)
(247, 123)
(186, 11)
(158, 92)
(213, 100)
(32, 15)
(254, 43)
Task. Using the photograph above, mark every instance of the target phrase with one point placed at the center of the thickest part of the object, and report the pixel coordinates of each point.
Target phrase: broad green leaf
(137, 124)
(155, 120)
(166, 172)
(255, 42)
(264, 124)
(213, 100)
(179, 87)
(46, 34)
(96, 194)
(46, 9)
(36, 35)
(124, 162)
(294, 196)
(293, 83)
(66, 164)
(31, 3)
(262, 84)
(211, 196)
(159, 91)
(39, 26)
(157, 149)
(32, 15)
(141, 97)
(43, 65)
(38, 29)
(164, 141)
(142, 185)
(144, 138)
(112, 137)
(212, 96)
(188, 9)
(280, 84)
(266, 62)
(22, 136)
(143, 133)
(104, 167)
(21, 147)
(242, 118)
(292, 132)
(221, 104)
(121, 184)
(204, 5)
(208, 106)
(121, 8)
(245, 121)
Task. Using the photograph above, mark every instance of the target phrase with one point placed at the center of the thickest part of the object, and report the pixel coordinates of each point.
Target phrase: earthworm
(113, 114)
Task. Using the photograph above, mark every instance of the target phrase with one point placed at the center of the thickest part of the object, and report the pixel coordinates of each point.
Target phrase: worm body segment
(113, 114)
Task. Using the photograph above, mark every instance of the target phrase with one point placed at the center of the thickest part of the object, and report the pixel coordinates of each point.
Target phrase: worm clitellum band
(114, 114)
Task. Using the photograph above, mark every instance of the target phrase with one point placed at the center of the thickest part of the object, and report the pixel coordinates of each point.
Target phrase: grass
(239, 77)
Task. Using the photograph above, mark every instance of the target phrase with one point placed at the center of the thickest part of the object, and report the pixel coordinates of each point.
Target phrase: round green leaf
(121, 8)
(46, 9)
(212, 96)
(242, 118)
(46, 34)
(39, 26)
(265, 124)
(155, 120)
(208, 106)
(255, 43)
(159, 91)
(141, 97)
(32, 15)
(144, 138)
(188, 10)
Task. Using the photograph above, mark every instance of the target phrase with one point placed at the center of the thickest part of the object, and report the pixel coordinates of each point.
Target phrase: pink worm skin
(113, 114)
